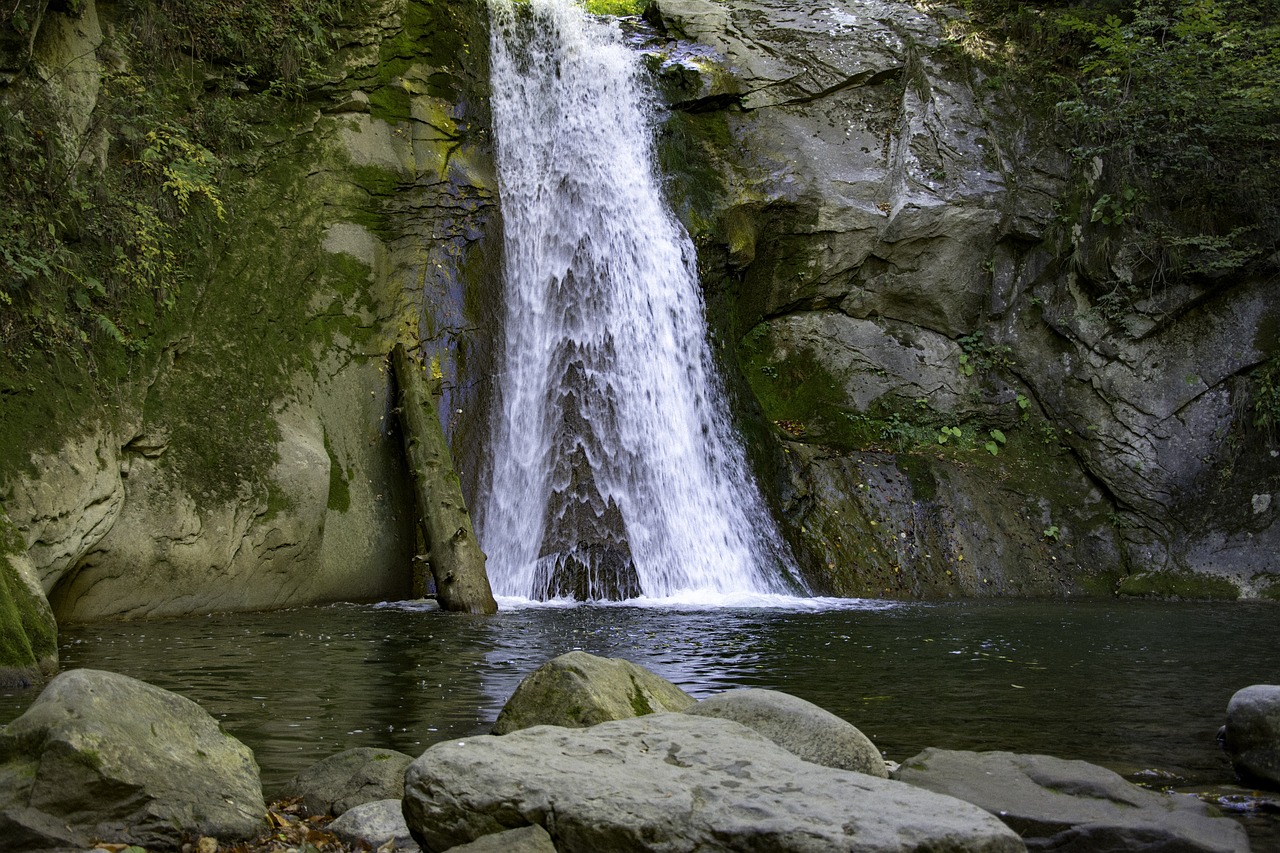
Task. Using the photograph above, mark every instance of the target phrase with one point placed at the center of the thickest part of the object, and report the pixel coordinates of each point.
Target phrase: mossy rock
(1188, 585)
(577, 690)
(28, 634)
(1270, 590)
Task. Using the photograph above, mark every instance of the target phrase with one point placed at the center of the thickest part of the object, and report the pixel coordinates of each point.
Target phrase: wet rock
(797, 726)
(670, 782)
(1253, 734)
(103, 756)
(579, 690)
(351, 778)
(374, 825)
(1061, 805)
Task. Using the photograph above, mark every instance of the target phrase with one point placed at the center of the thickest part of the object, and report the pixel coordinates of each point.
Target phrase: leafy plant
(979, 356)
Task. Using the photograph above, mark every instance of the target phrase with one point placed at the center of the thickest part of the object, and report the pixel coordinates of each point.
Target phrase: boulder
(1253, 734)
(374, 825)
(579, 690)
(351, 778)
(797, 726)
(103, 756)
(1064, 806)
(675, 782)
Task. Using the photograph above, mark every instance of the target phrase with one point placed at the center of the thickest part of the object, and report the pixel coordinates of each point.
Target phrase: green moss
(617, 8)
(639, 704)
(277, 502)
(801, 396)
(690, 147)
(1189, 585)
(1270, 589)
(28, 635)
(339, 486)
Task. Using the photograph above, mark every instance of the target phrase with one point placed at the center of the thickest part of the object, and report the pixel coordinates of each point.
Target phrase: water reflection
(1134, 687)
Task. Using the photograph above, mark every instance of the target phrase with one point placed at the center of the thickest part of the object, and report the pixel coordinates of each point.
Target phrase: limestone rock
(1066, 806)
(579, 690)
(375, 824)
(675, 782)
(351, 778)
(103, 756)
(800, 727)
(1253, 734)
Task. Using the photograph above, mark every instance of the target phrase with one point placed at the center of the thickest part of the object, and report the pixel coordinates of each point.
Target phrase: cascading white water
(615, 471)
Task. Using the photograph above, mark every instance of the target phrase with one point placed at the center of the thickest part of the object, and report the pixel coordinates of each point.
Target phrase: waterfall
(615, 470)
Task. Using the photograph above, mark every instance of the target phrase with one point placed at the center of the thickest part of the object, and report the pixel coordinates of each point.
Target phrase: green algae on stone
(28, 635)
(1178, 584)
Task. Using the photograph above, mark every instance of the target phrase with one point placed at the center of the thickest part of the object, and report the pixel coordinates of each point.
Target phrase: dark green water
(1138, 687)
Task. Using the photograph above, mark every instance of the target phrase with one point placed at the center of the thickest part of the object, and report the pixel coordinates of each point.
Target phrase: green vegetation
(1266, 397)
(28, 637)
(1171, 584)
(617, 8)
(95, 222)
(1174, 107)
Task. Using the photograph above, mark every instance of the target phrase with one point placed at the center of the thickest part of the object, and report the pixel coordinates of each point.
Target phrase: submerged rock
(1062, 805)
(103, 756)
(1253, 734)
(797, 726)
(351, 778)
(675, 782)
(579, 690)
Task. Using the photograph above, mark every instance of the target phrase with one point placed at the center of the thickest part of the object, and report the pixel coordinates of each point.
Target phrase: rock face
(668, 782)
(579, 690)
(1253, 734)
(902, 264)
(800, 727)
(954, 381)
(1055, 804)
(103, 756)
(351, 778)
(243, 455)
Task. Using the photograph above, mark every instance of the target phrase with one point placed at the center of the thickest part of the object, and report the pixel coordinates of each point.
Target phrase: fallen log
(454, 555)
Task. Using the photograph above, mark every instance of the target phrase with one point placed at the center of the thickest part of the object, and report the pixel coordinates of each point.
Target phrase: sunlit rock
(672, 782)
(800, 727)
(579, 690)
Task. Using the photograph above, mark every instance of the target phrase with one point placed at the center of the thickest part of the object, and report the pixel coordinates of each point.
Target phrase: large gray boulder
(800, 727)
(1067, 806)
(675, 782)
(579, 690)
(1253, 734)
(374, 825)
(351, 778)
(100, 756)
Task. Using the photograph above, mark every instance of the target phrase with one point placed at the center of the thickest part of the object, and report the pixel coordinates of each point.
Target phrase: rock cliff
(888, 240)
(230, 444)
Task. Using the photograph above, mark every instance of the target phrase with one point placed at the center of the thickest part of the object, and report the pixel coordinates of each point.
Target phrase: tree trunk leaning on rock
(457, 563)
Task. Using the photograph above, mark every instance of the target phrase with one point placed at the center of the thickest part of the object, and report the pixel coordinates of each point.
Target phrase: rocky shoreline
(594, 754)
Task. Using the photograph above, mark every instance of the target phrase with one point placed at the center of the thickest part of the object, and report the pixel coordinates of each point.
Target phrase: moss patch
(28, 636)
(1188, 585)
(339, 485)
